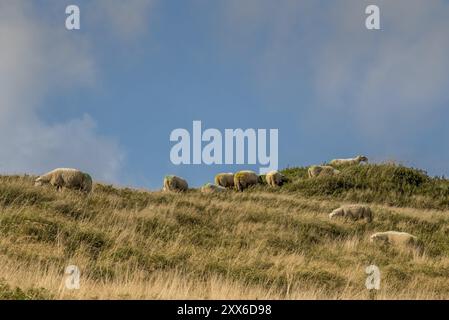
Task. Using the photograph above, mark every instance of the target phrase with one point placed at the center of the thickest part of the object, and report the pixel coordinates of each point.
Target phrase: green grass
(386, 183)
(8, 293)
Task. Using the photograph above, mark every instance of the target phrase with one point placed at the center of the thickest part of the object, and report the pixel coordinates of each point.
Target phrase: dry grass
(133, 244)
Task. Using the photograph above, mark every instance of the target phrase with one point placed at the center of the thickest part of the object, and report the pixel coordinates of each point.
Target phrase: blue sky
(105, 98)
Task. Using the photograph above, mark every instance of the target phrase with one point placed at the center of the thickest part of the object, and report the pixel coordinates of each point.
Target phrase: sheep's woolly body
(322, 171)
(225, 180)
(349, 161)
(174, 183)
(244, 179)
(400, 239)
(212, 188)
(66, 178)
(275, 178)
(354, 212)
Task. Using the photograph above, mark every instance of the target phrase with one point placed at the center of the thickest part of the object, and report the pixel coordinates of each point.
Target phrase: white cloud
(36, 60)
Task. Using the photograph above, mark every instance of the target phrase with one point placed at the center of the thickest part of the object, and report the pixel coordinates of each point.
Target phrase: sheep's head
(38, 182)
(284, 179)
(378, 237)
(336, 213)
(362, 158)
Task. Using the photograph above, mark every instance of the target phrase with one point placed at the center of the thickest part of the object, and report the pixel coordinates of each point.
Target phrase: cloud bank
(38, 59)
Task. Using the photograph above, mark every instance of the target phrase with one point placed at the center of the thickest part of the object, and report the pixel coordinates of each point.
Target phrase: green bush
(383, 183)
(8, 293)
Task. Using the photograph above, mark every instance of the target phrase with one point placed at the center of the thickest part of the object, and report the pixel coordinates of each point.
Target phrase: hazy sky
(106, 98)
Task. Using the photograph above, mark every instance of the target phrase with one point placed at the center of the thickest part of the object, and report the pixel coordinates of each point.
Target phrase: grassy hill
(264, 243)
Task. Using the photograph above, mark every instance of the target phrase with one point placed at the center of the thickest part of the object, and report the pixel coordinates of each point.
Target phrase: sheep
(87, 183)
(349, 162)
(244, 179)
(225, 180)
(212, 188)
(322, 171)
(66, 178)
(354, 212)
(399, 239)
(275, 178)
(174, 183)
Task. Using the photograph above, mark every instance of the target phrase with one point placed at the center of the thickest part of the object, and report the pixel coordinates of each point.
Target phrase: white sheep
(275, 178)
(174, 183)
(322, 171)
(244, 179)
(349, 161)
(225, 180)
(354, 212)
(66, 178)
(396, 238)
(212, 188)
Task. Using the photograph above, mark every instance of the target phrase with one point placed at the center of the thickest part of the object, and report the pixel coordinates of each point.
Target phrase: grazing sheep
(322, 171)
(212, 188)
(354, 212)
(87, 183)
(225, 180)
(348, 162)
(244, 179)
(399, 239)
(275, 179)
(66, 178)
(174, 183)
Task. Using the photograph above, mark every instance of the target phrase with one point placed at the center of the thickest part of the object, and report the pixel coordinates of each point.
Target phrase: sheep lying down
(212, 188)
(322, 171)
(398, 239)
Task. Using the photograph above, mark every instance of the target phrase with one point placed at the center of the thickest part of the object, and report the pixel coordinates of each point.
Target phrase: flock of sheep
(64, 178)
(223, 181)
(244, 179)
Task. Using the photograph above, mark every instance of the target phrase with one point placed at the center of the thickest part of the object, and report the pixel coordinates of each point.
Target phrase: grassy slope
(263, 243)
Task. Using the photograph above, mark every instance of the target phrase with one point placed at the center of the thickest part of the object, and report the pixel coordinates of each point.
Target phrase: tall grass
(261, 244)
